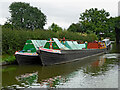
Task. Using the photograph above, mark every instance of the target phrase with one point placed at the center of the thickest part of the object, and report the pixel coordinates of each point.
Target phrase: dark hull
(49, 58)
(27, 59)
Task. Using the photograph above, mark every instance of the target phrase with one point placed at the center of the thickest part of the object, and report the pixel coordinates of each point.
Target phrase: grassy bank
(8, 58)
(14, 40)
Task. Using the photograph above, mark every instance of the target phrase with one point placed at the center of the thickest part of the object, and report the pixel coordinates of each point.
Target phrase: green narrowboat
(28, 55)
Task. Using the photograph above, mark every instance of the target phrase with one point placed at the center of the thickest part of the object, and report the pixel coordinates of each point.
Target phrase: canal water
(94, 72)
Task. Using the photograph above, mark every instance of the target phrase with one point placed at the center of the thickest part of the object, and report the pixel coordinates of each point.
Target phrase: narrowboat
(107, 43)
(28, 55)
(56, 52)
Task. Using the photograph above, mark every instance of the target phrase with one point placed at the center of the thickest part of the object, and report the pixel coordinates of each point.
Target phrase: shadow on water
(15, 76)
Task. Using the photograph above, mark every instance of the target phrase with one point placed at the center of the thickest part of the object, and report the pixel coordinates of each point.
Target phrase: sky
(61, 12)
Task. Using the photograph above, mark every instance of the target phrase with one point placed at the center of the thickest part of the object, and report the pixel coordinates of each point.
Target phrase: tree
(75, 27)
(54, 27)
(25, 16)
(7, 25)
(117, 29)
(110, 32)
(94, 20)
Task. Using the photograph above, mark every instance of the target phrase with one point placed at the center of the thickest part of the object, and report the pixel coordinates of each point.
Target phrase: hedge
(14, 40)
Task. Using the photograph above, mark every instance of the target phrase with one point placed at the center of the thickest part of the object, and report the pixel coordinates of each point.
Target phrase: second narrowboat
(56, 52)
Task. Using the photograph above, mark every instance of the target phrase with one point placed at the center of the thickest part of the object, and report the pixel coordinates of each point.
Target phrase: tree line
(99, 22)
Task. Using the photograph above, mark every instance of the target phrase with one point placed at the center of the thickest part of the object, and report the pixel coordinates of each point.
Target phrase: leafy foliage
(110, 30)
(117, 29)
(8, 58)
(94, 20)
(55, 28)
(75, 27)
(117, 22)
(8, 25)
(25, 16)
(14, 40)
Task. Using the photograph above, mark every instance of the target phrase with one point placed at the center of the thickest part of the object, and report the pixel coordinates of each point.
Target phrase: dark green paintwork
(33, 45)
(54, 45)
(29, 46)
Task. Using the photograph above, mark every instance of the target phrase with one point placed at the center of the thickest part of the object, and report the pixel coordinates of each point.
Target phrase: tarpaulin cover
(79, 46)
(38, 43)
(70, 45)
(60, 45)
(33, 45)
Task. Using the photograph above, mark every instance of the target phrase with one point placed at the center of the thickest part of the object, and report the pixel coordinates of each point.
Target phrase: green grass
(8, 58)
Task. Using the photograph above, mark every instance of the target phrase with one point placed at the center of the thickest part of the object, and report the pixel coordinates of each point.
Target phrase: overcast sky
(62, 12)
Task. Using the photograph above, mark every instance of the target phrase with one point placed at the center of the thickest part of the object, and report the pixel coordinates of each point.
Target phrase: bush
(14, 40)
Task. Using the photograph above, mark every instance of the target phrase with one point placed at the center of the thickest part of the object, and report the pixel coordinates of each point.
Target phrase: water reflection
(93, 72)
(56, 75)
(28, 78)
(52, 82)
(99, 67)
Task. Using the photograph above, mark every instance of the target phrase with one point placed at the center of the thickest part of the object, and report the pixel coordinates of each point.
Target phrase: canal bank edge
(8, 63)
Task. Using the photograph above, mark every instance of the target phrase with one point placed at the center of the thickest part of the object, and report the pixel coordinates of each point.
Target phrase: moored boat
(28, 55)
(55, 52)
(107, 43)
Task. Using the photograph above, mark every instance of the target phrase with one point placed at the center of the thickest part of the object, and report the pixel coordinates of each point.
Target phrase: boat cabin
(54, 43)
(33, 45)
